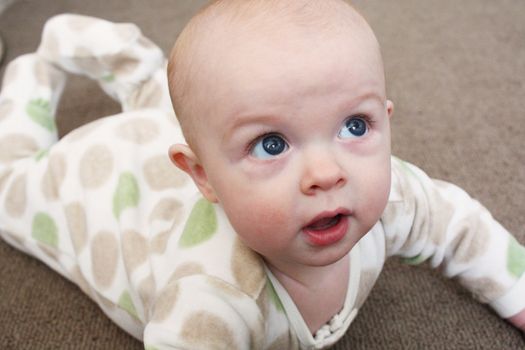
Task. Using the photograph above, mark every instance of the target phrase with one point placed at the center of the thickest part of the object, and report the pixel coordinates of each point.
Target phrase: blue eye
(354, 127)
(269, 146)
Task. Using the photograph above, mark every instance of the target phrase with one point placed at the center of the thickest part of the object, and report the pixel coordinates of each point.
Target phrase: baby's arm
(202, 312)
(437, 221)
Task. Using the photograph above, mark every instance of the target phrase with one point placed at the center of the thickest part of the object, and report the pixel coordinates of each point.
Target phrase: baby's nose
(322, 172)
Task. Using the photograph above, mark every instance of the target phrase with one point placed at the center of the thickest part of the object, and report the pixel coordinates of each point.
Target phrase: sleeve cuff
(512, 302)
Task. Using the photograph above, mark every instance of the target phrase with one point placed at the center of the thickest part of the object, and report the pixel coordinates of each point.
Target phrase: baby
(284, 111)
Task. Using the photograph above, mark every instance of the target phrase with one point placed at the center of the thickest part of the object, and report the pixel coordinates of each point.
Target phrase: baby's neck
(318, 292)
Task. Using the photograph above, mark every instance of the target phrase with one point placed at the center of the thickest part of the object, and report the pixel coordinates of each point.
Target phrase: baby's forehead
(235, 18)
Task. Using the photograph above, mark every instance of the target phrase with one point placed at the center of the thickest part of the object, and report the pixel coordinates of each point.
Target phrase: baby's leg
(31, 90)
(127, 65)
(90, 204)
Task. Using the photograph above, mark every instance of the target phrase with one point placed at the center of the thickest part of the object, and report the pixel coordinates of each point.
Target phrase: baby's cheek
(377, 193)
(261, 224)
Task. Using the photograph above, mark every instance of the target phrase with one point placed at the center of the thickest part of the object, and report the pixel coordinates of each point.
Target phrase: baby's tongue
(324, 223)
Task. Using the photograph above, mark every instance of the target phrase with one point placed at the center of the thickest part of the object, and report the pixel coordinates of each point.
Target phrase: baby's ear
(185, 159)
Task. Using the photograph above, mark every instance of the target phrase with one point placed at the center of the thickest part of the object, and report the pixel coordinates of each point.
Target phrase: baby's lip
(327, 215)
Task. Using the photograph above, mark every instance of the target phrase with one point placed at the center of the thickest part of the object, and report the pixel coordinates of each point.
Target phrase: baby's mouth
(327, 228)
(324, 223)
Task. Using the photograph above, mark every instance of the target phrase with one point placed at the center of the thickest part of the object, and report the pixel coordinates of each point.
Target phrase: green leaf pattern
(515, 258)
(126, 195)
(201, 224)
(44, 230)
(126, 303)
(39, 110)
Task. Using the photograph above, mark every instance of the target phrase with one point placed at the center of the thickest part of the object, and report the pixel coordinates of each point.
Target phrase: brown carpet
(455, 71)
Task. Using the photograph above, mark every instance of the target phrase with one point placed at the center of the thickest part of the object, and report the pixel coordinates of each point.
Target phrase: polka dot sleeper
(104, 207)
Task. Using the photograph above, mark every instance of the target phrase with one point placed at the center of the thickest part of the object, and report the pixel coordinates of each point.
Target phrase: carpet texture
(455, 71)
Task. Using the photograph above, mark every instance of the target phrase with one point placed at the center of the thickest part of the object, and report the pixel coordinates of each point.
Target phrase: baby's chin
(326, 256)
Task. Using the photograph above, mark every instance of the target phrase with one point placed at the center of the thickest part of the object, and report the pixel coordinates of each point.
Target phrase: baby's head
(284, 109)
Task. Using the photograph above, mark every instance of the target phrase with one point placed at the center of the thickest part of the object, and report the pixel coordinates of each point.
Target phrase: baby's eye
(269, 146)
(354, 127)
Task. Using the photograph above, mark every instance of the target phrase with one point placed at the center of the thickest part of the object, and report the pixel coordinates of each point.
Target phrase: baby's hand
(518, 320)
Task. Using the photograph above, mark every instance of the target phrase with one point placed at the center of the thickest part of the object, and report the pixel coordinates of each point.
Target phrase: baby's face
(296, 144)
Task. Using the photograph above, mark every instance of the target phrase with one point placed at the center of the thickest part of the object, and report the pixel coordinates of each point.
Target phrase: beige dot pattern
(441, 216)
(470, 242)
(6, 108)
(166, 302)
(396, 210)
(83, 131)
(159, 243)
(224, 287)
(146, 291)
(160, 174)
(24, 145)
(85, 61)
(484, 289)
(4, 176)
(53, 177)
(84, 53)
(76, 222)
(43, 73)
(203, 327)
(121, 64)
(139, 131)
(104, 258)
(96, 166)
(247, 269)
(187, 269)
(50, 45)
(263, 300)
(134, 249)
(167, 209)
(16, 200)
(148, 96)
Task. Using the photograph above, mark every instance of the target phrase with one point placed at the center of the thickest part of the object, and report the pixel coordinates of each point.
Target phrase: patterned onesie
(105, 208)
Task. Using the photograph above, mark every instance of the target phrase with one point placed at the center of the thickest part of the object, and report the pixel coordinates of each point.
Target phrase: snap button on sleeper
(323, 333)
(335, 323)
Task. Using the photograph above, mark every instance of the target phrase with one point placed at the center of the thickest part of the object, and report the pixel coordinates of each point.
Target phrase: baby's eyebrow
(371, 95)
(241, 121)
